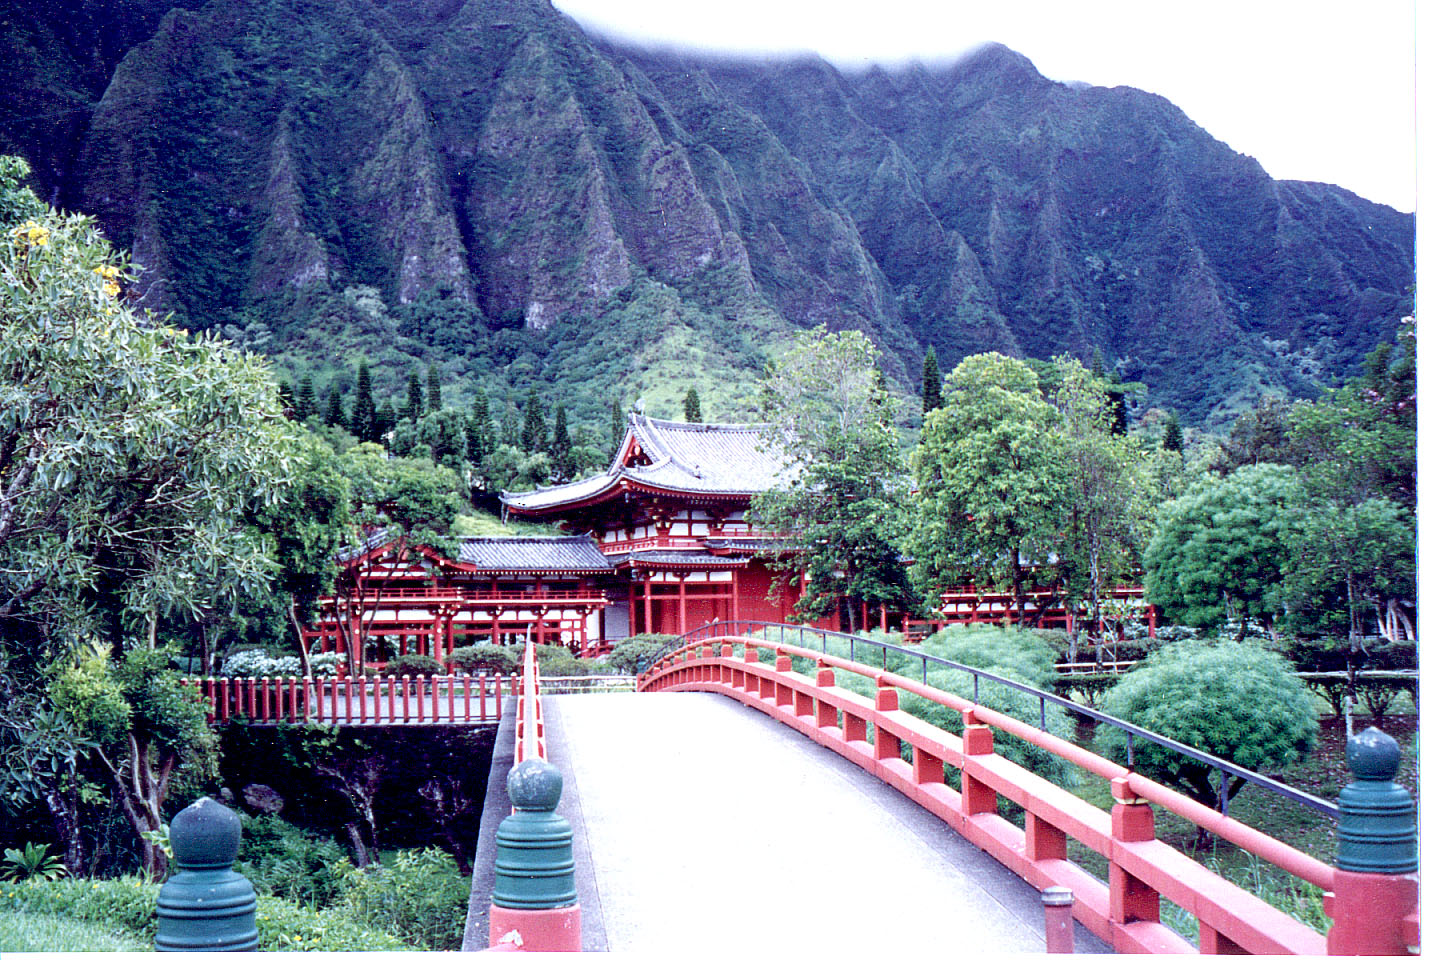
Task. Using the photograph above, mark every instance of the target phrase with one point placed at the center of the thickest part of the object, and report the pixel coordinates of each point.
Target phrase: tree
(1260, 435)
(144, 725)
(1111, 500)
(335, 411)
(617, 424)
(1174, 438)
(692, 406)
(837, 502)
(305, 399)
(930, 382)
(414, 399)
(991, 477)
(532, 433)
(305, 530)
(362, 413)
(1218, 553)
(479, 430)
(432, 391)
(384, 421)
(443, 431)
(1234, 700)
(560, 446)
(131, 457)
(415, 502)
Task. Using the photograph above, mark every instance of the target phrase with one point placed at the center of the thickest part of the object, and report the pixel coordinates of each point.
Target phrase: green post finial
(1377, 816)
(534, 858)
(205, 905)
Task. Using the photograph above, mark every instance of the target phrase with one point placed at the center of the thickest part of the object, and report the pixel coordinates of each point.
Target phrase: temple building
(658, 543)
(669, 514)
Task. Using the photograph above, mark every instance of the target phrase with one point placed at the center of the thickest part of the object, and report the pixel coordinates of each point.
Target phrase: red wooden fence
(350, 700)
(1126, 911)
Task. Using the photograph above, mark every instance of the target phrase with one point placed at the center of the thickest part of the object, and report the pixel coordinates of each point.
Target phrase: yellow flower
(107, 271)
(32, 233)
(111, 287)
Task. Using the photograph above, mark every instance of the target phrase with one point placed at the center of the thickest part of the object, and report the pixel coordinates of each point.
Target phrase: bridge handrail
(351, 700)
(1126, 916)
(1226, 768)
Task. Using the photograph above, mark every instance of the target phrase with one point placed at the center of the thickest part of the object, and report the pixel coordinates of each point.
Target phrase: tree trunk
(357, 844)
(64, 808)
(1017, 587)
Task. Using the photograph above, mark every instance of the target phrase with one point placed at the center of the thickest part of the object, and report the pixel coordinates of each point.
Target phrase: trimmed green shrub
(421, 899)
(636, 654)
(485, 658)
(556, 661)
(412, 665)
(27, 931)
(1237, 701)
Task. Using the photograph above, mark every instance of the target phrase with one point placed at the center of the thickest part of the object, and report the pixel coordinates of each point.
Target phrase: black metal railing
(847, 641)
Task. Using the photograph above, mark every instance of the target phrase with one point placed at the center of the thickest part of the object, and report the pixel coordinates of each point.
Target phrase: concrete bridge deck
(704, 826)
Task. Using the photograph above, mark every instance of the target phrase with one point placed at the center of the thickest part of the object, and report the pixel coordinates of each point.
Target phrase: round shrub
(412, 665)
(1237, 701)
(485, 658)
(636, 654)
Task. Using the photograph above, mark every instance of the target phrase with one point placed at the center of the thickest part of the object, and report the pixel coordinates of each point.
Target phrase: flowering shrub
(257, 663)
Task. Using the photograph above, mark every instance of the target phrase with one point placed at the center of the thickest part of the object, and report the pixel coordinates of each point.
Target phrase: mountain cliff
(483, 185)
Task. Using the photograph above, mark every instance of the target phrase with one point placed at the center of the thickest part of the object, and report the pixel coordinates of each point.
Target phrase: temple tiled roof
(568, 554)
(685, 558)
(693, 458)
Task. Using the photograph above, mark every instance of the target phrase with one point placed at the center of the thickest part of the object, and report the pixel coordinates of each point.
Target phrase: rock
(262, 799)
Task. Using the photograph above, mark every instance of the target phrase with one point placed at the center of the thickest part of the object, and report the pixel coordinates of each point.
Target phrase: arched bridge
(795, 811)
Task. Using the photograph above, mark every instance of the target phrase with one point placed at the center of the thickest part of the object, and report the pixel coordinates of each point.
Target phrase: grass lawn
(24, 931)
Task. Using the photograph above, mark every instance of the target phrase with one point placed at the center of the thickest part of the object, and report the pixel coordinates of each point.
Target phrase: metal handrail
(1227, 769)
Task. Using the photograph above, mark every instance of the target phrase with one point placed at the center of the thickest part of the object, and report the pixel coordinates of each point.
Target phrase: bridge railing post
(1132, 820)
(1375, 905)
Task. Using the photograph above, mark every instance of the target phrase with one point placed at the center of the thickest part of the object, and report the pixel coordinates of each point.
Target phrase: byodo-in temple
(659, 544)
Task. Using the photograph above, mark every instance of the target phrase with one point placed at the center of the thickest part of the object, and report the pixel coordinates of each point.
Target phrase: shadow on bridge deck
(704, 826)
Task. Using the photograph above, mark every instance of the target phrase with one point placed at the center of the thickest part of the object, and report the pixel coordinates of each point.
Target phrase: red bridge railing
(354, 700)
(872, 733)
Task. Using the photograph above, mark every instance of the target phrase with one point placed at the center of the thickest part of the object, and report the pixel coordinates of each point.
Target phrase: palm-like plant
(35, 860)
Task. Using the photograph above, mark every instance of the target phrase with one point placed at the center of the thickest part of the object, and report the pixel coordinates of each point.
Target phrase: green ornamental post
(1376, 867)
(206, 905)
(534, 892)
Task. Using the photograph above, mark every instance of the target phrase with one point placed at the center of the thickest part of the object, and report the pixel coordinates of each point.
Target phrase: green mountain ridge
(484, 186)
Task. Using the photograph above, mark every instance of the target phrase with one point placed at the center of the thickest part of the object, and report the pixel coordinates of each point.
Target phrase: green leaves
(838, 501)
(1233, 700)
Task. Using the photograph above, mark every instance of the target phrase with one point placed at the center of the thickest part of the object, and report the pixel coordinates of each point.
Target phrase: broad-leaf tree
(992, 480)
(1111, 497)
(837, 501)
(131, 458)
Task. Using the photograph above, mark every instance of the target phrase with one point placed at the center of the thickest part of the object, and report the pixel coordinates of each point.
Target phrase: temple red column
(647, 629)
(682, 602)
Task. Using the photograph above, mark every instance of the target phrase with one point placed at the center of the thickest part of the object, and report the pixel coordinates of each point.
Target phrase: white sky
(1320, 90)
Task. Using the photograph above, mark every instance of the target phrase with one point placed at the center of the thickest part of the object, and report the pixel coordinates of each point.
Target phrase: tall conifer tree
(362, 413)
(384, 420)
(414, 399)
(432, 377)
(930, 382)
(561, 446)
(479, 430)
(692, 406)
(532, 432)
(335, 412)
(1173, 439)
(305, 399)
(617, 424)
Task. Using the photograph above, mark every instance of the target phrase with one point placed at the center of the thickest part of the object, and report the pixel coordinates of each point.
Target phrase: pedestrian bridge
(792, 812)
